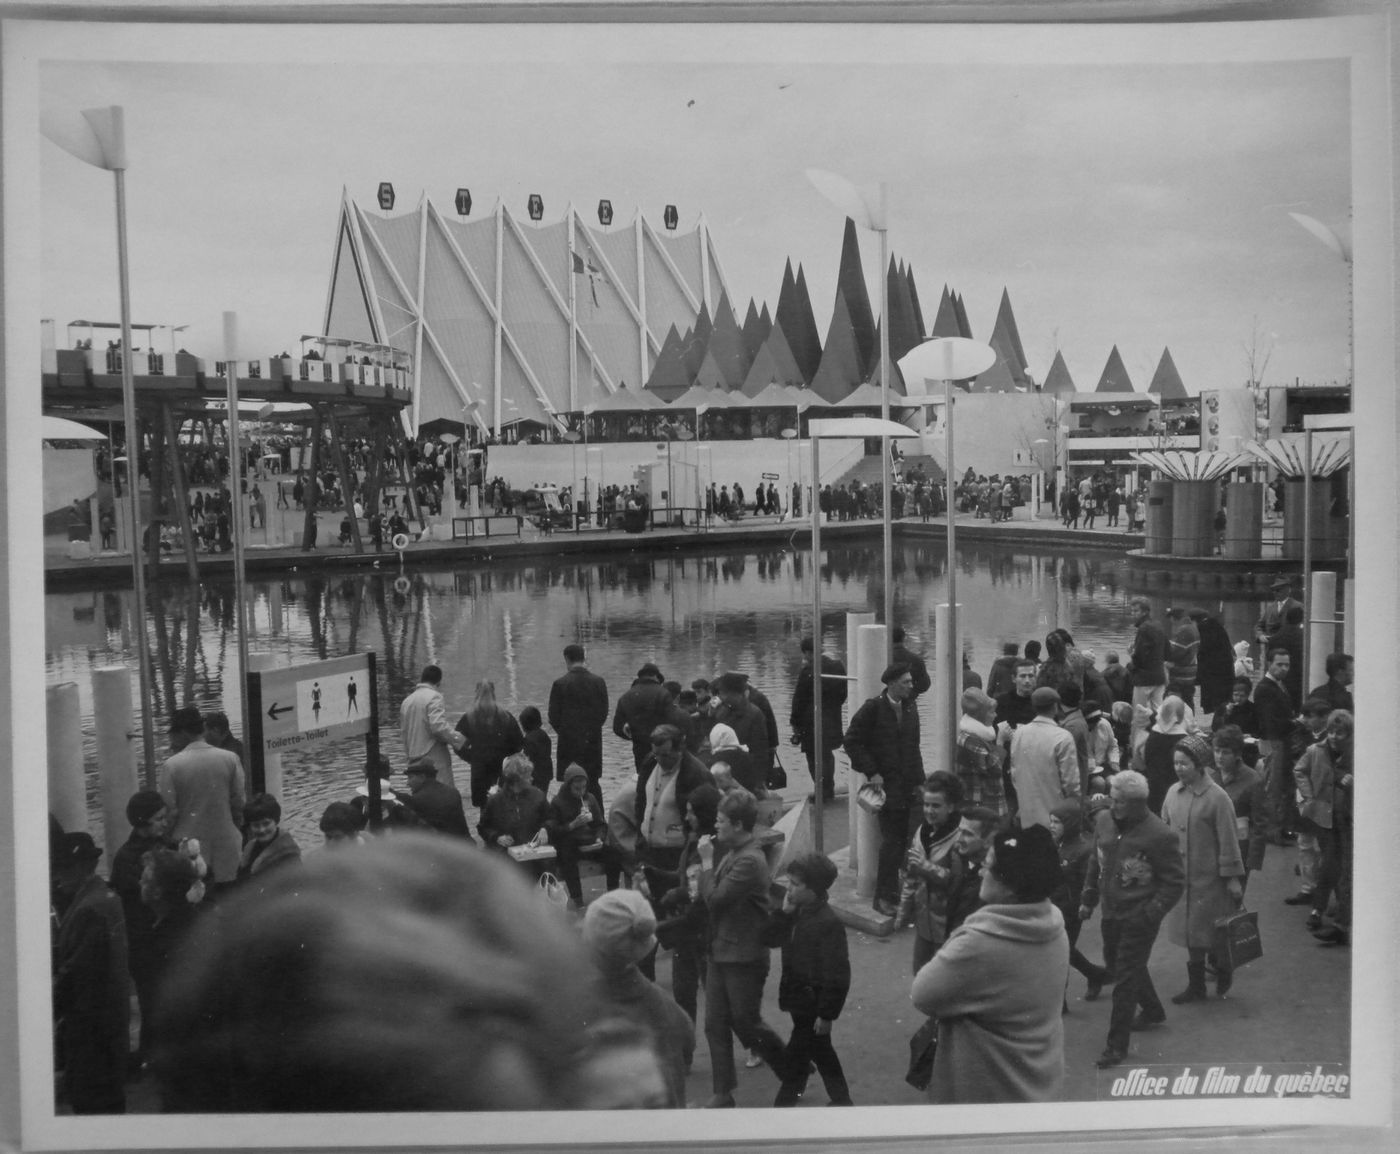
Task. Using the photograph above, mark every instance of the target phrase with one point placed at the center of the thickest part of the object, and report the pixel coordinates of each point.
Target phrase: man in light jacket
(1044, 764)
(427, 734)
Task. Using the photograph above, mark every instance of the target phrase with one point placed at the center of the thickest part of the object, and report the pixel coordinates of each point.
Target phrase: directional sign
(305, 704)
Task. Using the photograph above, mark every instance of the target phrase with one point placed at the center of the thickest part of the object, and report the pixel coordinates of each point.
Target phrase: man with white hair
(1138, 872)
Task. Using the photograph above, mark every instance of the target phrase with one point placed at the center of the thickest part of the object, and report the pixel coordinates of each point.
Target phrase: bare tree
(1257, 354)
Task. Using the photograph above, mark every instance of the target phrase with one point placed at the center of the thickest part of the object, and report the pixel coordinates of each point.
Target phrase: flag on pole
(97, 136)
(592, 271)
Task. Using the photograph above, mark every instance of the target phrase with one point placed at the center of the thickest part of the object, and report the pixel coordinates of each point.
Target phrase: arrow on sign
(274, 710)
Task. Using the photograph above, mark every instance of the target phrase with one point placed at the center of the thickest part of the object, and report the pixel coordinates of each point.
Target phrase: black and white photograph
(559, 564)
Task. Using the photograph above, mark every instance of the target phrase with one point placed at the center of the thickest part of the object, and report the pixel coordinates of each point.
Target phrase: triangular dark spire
(904, 331)
(809, 355)
(697, 341)
(1007, 343)
(1115, 377)
(753, 331)
(727, 345)
(840, 370)
(669, 378)
(914, 298)
(964, 328)
(945, 322)
(1058, 380)
(850, 283)
(1166, 382)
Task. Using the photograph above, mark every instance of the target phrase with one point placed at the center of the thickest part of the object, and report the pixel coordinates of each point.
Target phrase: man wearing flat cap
(204, 789)
(1044, 763)
(1273, 614)
(882, 741)
(91, 987)
(754, 727)
(436, 804)
(641, 709)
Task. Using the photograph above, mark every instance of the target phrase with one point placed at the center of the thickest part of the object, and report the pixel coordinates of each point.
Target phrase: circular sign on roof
(463, 201)
(386, 195)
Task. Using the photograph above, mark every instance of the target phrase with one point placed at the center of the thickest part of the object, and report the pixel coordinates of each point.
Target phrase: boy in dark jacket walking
(816, 977)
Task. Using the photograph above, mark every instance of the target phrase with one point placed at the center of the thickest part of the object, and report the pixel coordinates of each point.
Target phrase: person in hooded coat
(1215, 660)
(997, 984)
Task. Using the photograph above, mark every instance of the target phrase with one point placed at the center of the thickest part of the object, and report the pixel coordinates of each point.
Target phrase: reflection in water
(695, 616)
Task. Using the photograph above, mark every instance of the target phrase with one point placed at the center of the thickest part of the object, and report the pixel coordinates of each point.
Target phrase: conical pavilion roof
(914, 298)
(998, 379)
(1005, 329)
(697, 397)
(626, 400)
(754, 331)
(1058, 380)
(774, 362)
(668, 378)
(1114, 378)
(1166, 382)
(697, 342)
(904, 331)
(945, 322)
(840, 369)
(850, 283)
(964, 328)
(794, 317)
(727, 345)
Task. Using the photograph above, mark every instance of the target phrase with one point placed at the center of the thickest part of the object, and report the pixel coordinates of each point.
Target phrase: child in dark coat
(815, 980)
(538, 748)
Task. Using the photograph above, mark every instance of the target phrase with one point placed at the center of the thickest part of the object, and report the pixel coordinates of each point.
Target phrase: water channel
(692, 614)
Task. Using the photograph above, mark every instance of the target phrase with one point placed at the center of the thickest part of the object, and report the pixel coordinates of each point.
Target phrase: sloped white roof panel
(398, 236)
(477, 241)
(620, 248)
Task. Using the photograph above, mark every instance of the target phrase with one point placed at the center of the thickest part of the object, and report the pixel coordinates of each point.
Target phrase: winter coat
(751, 728)
(578, 710)
(1044, 769)
(258, 859)
(1246, 793)
(1157, 766)
(425, 729)
(489, 740)
(981, 765)
(923, 897)
(996, 987)
(1136, 868)
(1147, 661)
(90, 959)
(883, 738)
(816, 973)
(539, 749)
(1204, 821)
(635, 997)
(565, 807)
(1318, 776)
(693, 773)
(203, 787)
(438, 806)
(833, 699)
(735, 894)
(1001, 678)
(522, 815)
(639, 711)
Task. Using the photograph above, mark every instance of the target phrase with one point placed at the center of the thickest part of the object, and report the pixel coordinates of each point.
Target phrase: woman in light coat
(1203, 817)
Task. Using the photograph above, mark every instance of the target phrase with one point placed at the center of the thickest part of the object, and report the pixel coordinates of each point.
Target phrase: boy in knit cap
(619, 930)
(815, 980)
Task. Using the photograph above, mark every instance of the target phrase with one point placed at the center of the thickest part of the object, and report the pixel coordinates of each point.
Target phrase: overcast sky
(1143, 204)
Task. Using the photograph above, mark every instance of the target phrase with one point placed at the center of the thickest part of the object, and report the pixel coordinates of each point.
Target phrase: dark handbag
(777, 775)
(923, 1047)
(1237, 941)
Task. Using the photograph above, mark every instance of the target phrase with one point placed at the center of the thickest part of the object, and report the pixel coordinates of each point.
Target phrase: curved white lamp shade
(867, 205)
(944, 359)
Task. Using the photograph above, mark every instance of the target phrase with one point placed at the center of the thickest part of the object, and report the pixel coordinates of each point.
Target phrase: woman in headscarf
(1166, 731)
(1200, 812)
(725, 747)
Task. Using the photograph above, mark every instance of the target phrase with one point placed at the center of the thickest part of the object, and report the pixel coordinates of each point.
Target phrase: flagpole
(133, 487)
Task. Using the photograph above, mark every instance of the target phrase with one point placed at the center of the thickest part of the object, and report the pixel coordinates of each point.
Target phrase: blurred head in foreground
(414, 975)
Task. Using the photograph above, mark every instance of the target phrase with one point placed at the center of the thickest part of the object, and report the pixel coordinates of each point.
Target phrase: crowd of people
(1147, 791)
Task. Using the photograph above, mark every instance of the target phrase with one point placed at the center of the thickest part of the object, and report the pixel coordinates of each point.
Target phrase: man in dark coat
(1116, 677)
(1336, 690)
(578, 710)
(1014, 707)
(1001, 678)
(1147, 662)
(1273, 614)
(1215, 661)
(1275, 712)
(641, 709)
(91, 985)
(902, 653)
(1290, 637)
(749, 721)
(436, 804)
(882, 741)
(834, 690)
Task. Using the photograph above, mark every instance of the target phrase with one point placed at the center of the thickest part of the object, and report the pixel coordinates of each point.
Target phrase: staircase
(867, 469)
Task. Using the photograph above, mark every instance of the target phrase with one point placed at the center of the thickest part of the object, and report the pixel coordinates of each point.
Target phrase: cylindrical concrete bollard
(117, 735)
(948, 657)
(854, 621)
(67, 791)
(272, 762)
(1244, 520)
(870, 663)
(1157, 518)
(1322, 629)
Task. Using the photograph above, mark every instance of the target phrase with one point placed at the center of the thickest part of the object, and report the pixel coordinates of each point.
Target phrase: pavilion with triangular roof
(1166, 382)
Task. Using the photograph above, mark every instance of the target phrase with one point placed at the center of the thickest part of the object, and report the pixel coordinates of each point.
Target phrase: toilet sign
(305, 704)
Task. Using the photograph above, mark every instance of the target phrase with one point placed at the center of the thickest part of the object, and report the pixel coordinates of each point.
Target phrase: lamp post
(789, 435)
(572, 436)
(816, 430)
(948, 359)
(869, 207)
